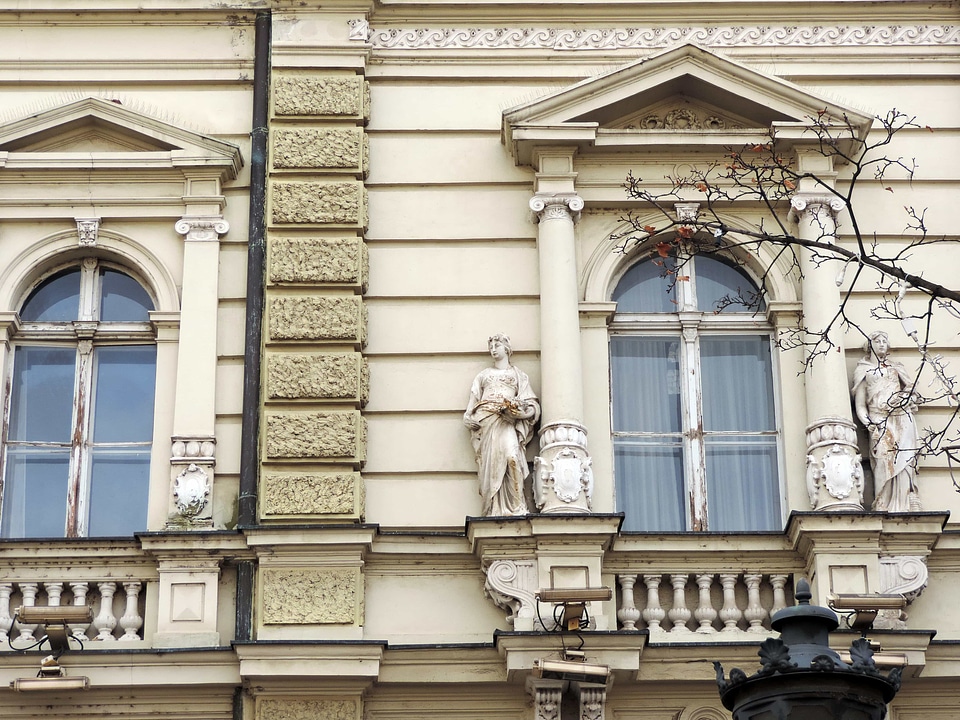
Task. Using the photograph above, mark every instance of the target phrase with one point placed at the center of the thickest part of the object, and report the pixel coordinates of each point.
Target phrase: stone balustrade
(118, 607)
(677, 606)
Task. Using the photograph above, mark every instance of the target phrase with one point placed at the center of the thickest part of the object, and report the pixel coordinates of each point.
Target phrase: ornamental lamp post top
(802, 678)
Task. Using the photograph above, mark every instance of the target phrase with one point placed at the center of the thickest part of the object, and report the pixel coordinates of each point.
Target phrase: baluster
(28, 591)
(79, 589)
(705, 612)
(653, 614)
(779, 596)
(131, 620)
(54, 591)
(628, 613)
(106, 621)
(729, 613)
(754, 612)
(6, 620)
(679, 614)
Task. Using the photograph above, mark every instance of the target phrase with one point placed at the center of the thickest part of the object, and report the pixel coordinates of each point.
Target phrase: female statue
(881, 391)
(501, 414)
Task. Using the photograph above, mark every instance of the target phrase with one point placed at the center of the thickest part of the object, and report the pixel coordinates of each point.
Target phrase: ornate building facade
(261, 250)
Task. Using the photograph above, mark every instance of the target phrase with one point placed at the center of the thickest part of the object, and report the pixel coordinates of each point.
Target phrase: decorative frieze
(317, 148)
(319, 203)
(340, 318)
(319, 709)
(338, 96)
(193, 449)
(634, 38)
(310, 596)
(316, 436)
(294, 495)
(319, 261)
(318, 376)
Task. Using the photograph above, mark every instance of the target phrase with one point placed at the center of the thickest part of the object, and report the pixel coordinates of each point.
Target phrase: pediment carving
(95, 132)
(686, 88)
(683, 113)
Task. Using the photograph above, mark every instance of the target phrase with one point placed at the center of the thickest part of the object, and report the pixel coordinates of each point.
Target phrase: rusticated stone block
(310, 596)
(317, 318)
(317, 203)
(318, 148)
(315, 435)
(325, 709)
(319, 260)
(285, 494)
(340, 376)
(319, 95)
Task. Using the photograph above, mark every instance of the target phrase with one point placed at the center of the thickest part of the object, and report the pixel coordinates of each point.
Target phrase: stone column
(563, 478)
(834, 472)
(193, 443)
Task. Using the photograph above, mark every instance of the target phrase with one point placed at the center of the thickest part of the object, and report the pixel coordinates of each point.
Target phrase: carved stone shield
(566, 478)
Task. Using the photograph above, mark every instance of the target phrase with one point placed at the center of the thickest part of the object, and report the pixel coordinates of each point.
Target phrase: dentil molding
(663, 36)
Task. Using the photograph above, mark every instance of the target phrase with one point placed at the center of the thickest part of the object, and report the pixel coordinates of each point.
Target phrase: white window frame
(84, 334)
(689, 324)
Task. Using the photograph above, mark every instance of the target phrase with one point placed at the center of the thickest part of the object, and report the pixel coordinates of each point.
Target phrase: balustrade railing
(118, 608)
(674, 605)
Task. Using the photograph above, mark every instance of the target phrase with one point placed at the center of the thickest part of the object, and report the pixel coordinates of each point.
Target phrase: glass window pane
(646, 384)
(123, 298)
(642, 290)
(42, 401)
(737, 382)
(35, 493)
(118, 493)
(742, 484)
(56, 299)
(650, 488)
(717, 280)
(125, 381)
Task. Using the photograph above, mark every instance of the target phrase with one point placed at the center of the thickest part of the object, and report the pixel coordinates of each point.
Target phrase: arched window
(695, 428)
(80, 424)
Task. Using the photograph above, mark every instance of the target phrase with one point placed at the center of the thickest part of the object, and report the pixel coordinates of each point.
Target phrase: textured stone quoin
(315, 435)
(318, 148)
(318, 203)
(316, 318)
(313, 494)
(280, 709)
(316, 376)
(310, 596)
(318, 260)
(336, 96)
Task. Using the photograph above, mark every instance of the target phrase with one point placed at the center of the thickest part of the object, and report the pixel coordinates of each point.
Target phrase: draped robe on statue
(892, 448)
(501, 440)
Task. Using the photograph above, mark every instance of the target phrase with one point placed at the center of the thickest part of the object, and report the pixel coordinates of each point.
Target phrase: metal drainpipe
(250, 428)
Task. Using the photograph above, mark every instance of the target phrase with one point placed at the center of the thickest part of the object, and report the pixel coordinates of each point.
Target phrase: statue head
(501, 339)
(878, 343)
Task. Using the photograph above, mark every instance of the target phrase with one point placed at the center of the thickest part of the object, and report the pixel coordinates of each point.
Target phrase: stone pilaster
(193, 444)
(563, 477)
(834, 471)
(315, 377)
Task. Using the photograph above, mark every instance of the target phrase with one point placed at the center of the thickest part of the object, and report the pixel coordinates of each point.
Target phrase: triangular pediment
(686, 96)
(95, 132)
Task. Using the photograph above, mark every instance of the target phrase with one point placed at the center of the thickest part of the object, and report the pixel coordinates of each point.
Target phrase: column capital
(552, 207)
(202, 228)
(812, 203)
